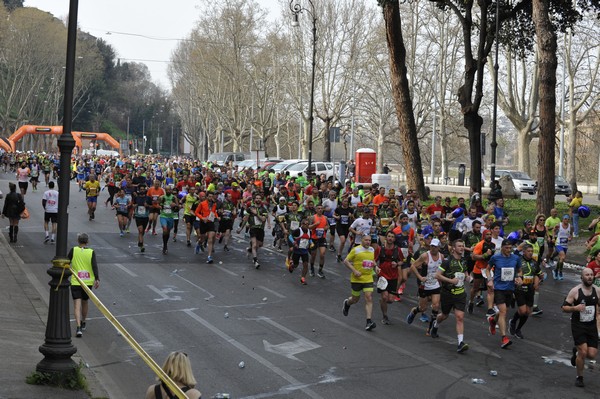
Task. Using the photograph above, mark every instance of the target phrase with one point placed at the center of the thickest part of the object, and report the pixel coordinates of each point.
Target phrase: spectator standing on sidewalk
(85, 266)
(14, 205)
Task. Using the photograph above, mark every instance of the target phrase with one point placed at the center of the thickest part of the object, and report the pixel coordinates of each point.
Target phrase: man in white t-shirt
(50, 204)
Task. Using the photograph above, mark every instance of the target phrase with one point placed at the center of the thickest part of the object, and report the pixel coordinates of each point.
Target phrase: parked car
(521, 180)
(221, 158)
(283, 165)
(247, 164)
(562, 186)
(318, 168)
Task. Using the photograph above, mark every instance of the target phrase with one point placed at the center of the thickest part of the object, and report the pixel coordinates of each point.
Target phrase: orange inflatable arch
(57, 130)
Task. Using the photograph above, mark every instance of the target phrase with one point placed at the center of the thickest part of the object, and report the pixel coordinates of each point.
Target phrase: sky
(144, 31)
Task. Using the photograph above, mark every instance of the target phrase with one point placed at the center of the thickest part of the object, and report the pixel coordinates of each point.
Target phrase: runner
(531, 276)
(206, 211)
(256, 217)
(155, 192)
(84, 265)
(121, 205)
(361, 261)
(167, 203)
(582, 302)
(451, 274)
(23, 177)
(389, 259)
(330, 204)
(300, 249)
(92, 190)
(425, 268)
(504, 269)
(35, 174)
(481, 254)
(318, 228)
(50, 205)
(227, 213)
(141, 210)
(190, 202)
(290, 223)
(343, 216)
(564, 234)
(279, 211)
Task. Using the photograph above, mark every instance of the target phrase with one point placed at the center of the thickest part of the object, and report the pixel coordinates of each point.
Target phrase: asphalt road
(293, 339)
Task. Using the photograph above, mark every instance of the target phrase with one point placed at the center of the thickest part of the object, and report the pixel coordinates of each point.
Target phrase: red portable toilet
(366, 164)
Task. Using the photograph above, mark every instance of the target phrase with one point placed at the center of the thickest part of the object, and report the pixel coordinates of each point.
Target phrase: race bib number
(128, 197)
(563, 240)
(122, 208)
(404, 252)
(211, 217)
(227, 214)
(507, 274)
(84, 275)
(540, 241)
(368, 264)
(92, 192)
(303, 244)
(320, 233)
(588, 314)
(331, 221)
(257, 221)
(141, 210)
(527, 280)
(167, 209)
(385, 222)
(344, 219)
(294, 225)
(461, 279)
(431, 280)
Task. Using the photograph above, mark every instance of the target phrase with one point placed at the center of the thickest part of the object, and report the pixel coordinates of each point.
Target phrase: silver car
(521, 180)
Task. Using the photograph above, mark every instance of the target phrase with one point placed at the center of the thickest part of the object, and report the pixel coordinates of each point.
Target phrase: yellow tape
(132, 342)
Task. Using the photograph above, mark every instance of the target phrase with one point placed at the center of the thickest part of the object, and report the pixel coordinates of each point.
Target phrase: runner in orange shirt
(154, 192)
(318, 227)
(206, 211)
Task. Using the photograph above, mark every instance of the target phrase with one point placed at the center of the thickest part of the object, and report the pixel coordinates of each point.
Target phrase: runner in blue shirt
(504, 267)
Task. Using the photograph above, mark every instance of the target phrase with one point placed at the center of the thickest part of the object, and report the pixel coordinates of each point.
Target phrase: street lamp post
(57, 347)
(296, 9)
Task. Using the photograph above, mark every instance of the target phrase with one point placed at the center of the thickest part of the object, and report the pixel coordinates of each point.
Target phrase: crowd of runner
(384, 237)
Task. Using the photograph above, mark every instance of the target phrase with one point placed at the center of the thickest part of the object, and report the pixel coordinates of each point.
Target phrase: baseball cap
(435, 242)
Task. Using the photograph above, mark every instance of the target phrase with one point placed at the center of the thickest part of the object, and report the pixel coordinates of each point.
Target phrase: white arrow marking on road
(291, 348)
(163, 293)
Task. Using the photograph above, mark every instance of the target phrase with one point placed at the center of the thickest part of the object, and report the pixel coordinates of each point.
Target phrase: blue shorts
(92, 199)
(166, 222)
(80, 176)
(560, 249)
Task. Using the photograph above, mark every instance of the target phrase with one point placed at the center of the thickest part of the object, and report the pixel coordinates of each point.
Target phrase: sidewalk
(23, 316)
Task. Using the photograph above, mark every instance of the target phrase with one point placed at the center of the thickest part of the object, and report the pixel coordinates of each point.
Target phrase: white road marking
(275, 369)
(176, 273)
(126, 270)
(291, 348)
(396, 348)
(164, 294)
(277, 294)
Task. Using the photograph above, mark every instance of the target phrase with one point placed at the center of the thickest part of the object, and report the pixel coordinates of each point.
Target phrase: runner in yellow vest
(84, 265)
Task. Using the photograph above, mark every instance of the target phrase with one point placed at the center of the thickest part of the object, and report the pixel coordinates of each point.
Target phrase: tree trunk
(326, 141)
(473, 123)
(546, 44)
(401, 92)
(523, 159)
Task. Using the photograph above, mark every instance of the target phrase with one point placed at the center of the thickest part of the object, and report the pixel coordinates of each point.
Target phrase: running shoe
(46, 239)
(154, 232)
(560, 276)
(339, 259)
(332, 248)
(127, 230)
(226, 248)
(279, 249)
(555, 274)
(579, 382)
(490, 312)
(519, 334)
(121, 234)
(174, 239)
(434, 332)
(506, 342)
(256, 265)
(574, 357)
(370, 325)
(189, 243)
(480, 302)
(512, 328)
(462, 347)
(210, 260)
(312, 272)
(492, 326)
(537, 311)
(83, 325)
(470, 307)
(165, 251)
(201, 247)
(79, 333)
(303, 281)
(52, 241)
(385, 321)
(424, 318)
(197, 249)
(321, 274)
(345, 308)
(411, 316)
(142, 249)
